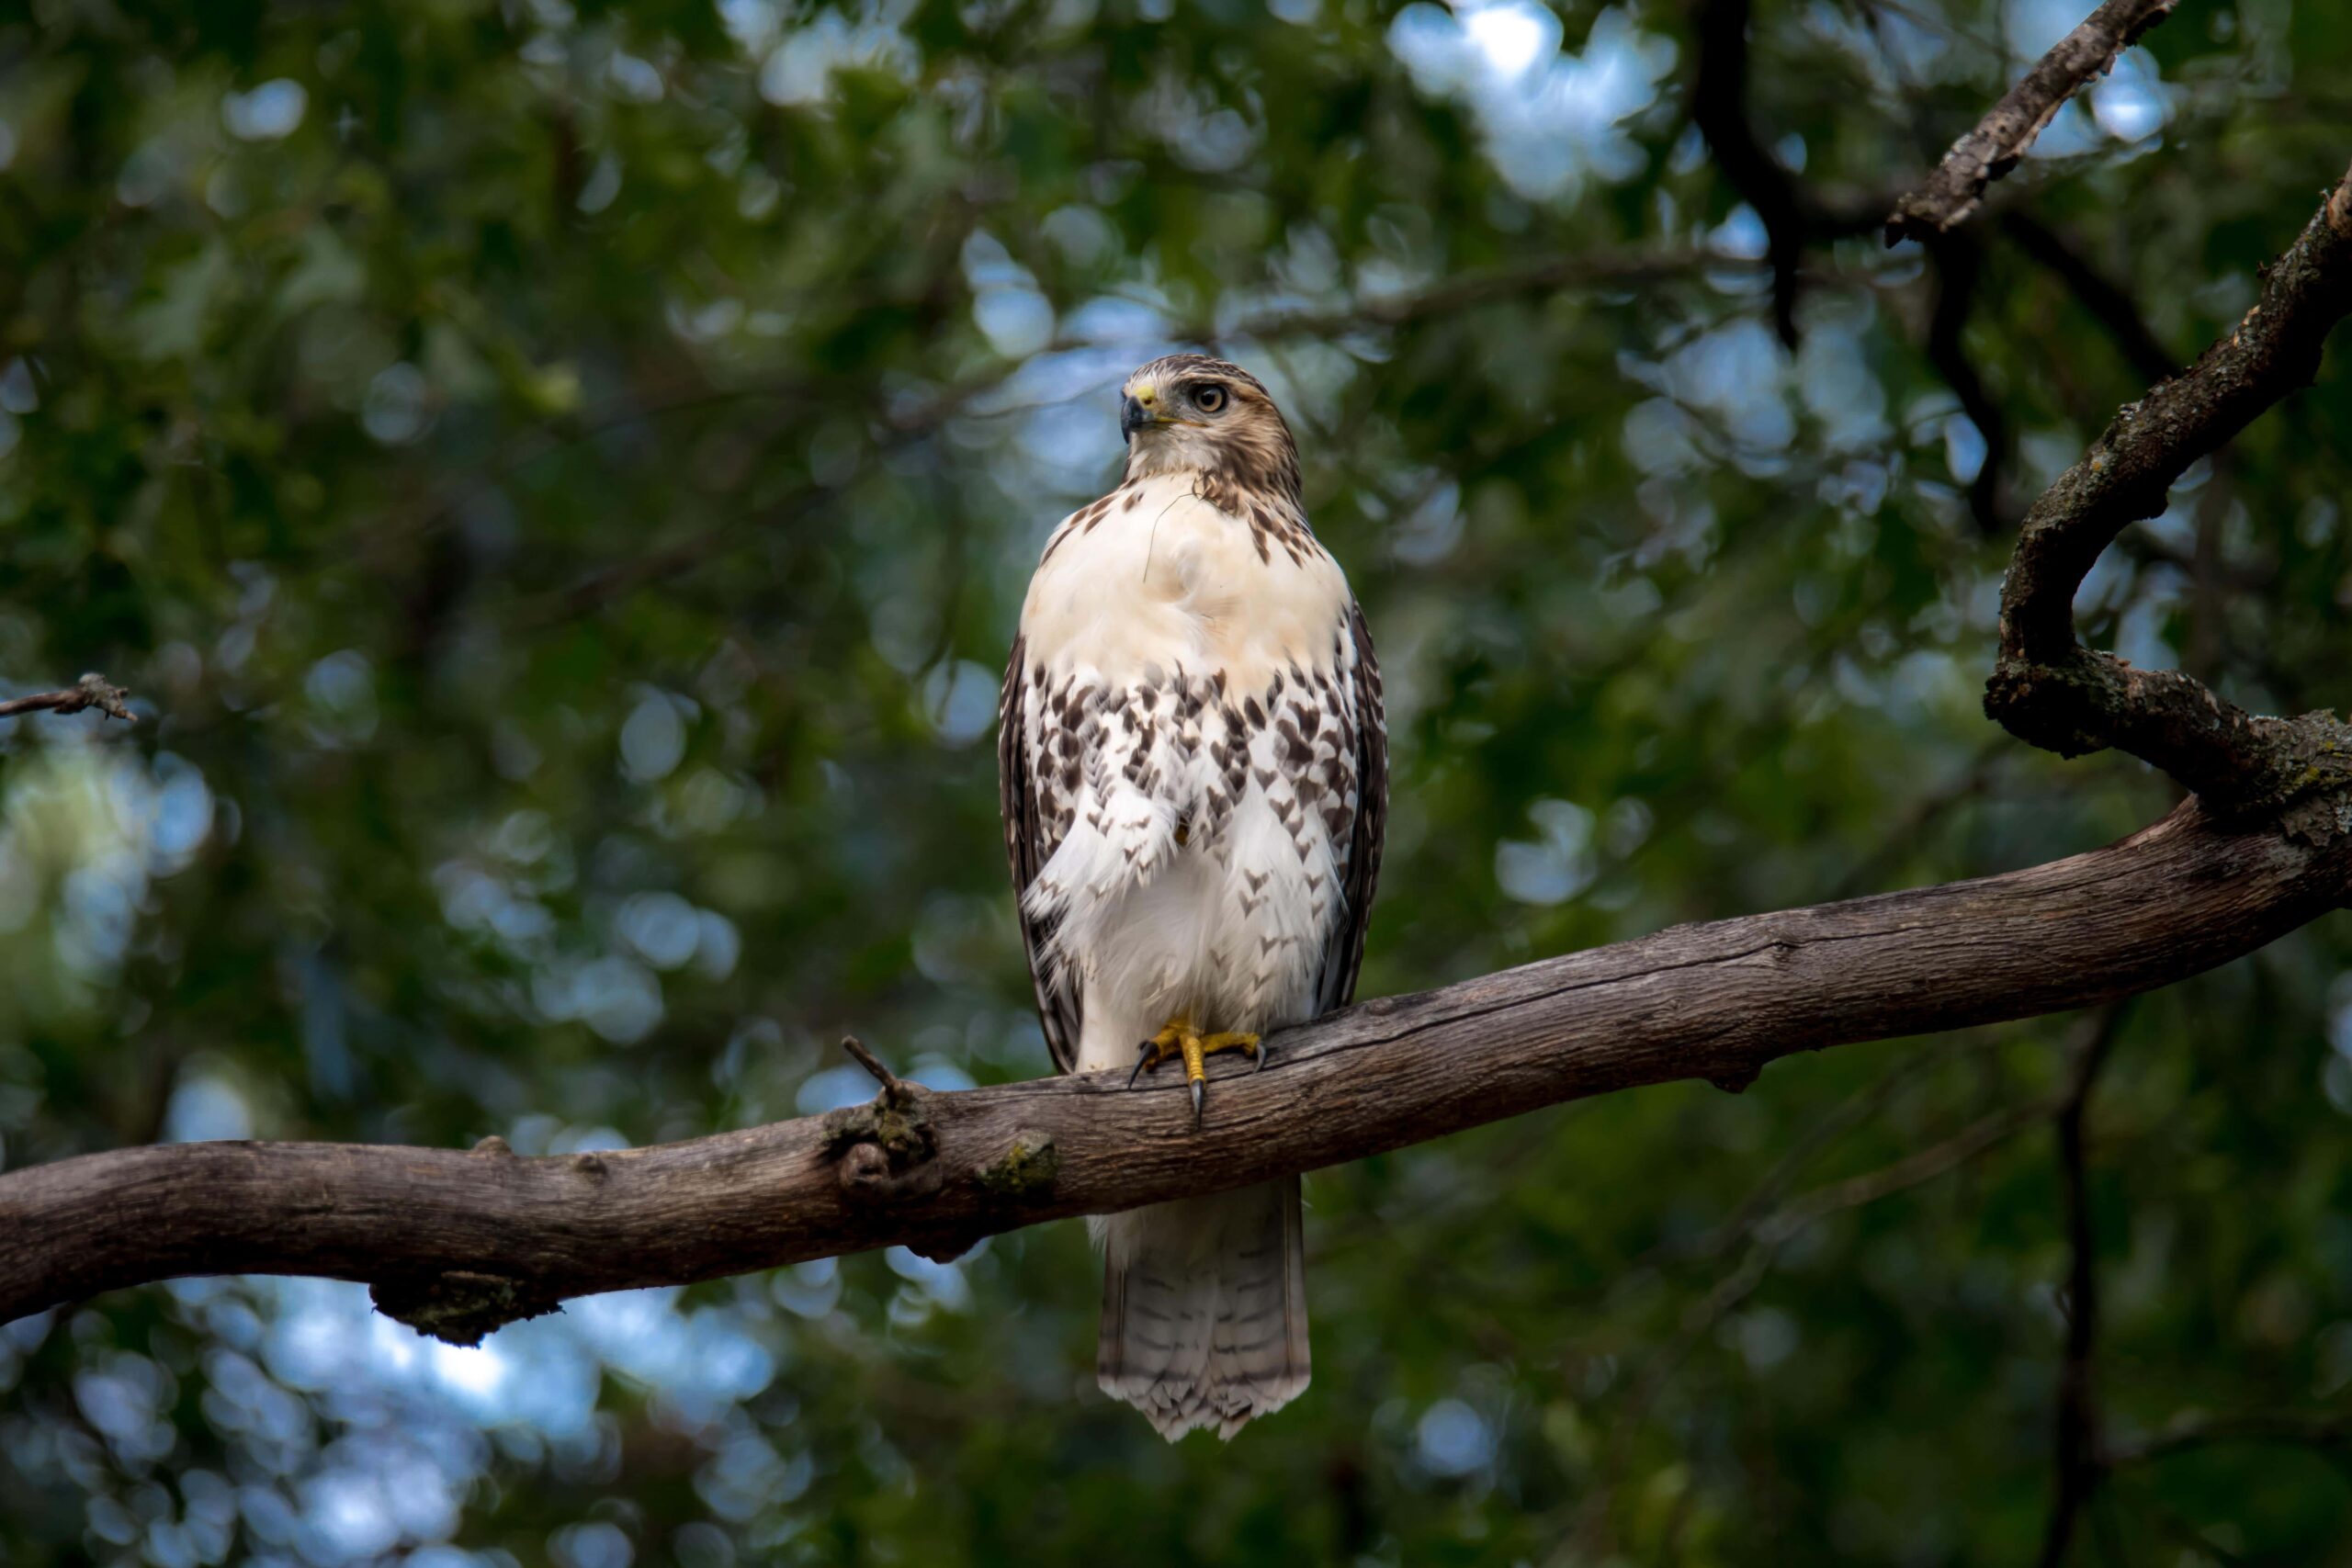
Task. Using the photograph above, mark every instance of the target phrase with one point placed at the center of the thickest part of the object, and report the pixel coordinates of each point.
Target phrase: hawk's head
(1188, 414)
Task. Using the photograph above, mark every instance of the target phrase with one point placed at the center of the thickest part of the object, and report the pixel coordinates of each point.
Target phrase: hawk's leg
(1178, 1038)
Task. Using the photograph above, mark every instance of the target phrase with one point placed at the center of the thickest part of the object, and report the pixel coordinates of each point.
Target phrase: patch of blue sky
(1553, 120)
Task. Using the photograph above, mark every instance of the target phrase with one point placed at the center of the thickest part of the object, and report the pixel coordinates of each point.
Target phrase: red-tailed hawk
(1195, 777)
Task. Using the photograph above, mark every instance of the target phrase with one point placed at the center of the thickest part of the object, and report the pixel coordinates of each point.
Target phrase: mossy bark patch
(1025, 1172)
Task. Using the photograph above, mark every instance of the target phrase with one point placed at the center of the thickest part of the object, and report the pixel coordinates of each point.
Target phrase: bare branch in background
(599, 589)
(1794, 216)
(1958, 260)
(2107, 304)
(2287, 1428)
(1584, 269)
(1911, 1170)
(90, 692)
(1953, 192)
(1761, 1228)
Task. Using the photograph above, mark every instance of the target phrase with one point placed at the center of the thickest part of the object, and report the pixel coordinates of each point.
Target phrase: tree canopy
(556, 481)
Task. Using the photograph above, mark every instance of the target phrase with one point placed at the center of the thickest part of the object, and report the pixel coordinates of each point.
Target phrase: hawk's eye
(1211, 399)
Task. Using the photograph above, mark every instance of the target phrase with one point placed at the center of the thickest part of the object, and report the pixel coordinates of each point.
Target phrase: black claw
(1260, 1054)
(1143, 1060)
(1200, 1091)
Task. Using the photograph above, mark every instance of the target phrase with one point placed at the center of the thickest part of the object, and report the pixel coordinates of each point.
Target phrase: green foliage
(559, 481)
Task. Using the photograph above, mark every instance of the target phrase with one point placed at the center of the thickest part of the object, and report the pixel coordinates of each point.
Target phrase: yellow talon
(1164, 1046)
(1178, 1038)
(1233, 1040)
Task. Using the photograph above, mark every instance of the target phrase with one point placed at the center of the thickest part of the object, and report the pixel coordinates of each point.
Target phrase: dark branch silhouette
(2108, 305)
(1719, 108)
(2079, 1457)
(1795, 217)
(1958, 262)
(2286, 1428)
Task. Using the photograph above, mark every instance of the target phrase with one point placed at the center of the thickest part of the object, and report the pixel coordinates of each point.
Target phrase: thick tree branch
(90, 692)
(2047, 688)
(461, 1241)
(2000, 139)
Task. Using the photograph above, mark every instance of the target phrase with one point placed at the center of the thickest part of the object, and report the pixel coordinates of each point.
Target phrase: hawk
(1196, 778)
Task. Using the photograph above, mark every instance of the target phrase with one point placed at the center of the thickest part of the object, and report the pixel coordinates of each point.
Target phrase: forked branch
(1994, 147)
(2049, 689)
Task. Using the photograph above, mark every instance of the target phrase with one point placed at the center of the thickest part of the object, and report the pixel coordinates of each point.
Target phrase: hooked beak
(1133, 416)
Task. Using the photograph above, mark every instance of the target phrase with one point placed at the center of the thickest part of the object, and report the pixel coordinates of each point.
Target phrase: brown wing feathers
(1026, 847)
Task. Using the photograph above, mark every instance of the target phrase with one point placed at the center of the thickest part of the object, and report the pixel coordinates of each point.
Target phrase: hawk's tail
(1205, 1308)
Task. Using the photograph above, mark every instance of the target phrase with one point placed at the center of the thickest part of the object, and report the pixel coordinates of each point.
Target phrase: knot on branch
(459, 1306)
(1023, 1175)
(92, 691)
(2065, 706)
(885, 1150)
(2240, 764)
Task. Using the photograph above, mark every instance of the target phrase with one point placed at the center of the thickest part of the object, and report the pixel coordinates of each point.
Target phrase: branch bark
(90, 692)
(2049, 689)
(1953, 192)
(458, 1243)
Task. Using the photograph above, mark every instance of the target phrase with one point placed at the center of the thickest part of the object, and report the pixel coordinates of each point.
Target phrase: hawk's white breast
(1161, 575)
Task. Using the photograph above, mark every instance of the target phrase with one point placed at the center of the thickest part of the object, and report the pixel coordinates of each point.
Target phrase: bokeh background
(559, 478)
